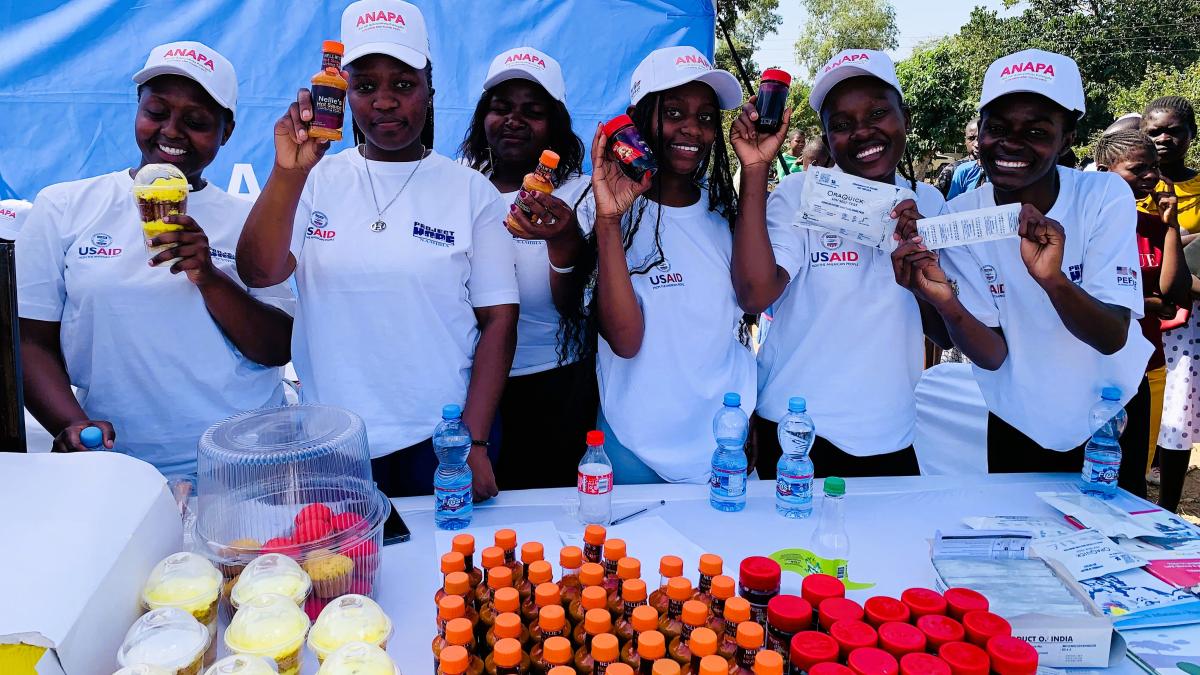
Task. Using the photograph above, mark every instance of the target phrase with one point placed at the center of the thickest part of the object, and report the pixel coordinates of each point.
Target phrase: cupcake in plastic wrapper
(188, 582)
(167, 637)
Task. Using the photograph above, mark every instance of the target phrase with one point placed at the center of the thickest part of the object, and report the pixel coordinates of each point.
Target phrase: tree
(748, 22)
(1158, 81)
(834, 25)
(937, 90)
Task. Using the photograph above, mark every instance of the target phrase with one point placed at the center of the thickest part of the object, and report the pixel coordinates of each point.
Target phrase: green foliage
(834, 25)
(748, 22)
(1159, 81)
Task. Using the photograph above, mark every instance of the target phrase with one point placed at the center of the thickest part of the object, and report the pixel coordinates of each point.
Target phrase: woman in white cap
(407, 292)
(549, 403)
(1061, 300)
(155, 356)
(844, 335)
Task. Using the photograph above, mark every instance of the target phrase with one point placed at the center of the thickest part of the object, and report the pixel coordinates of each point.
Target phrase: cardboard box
(82, 532)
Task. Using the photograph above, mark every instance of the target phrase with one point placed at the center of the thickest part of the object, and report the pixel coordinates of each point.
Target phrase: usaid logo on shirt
(992, 277)
(432, 235)
(318, 228)
(665, 278)
(1126, 276)
(100, 247)
(833, 255)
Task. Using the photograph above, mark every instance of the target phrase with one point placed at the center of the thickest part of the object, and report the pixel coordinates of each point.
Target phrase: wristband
(562, 270)
(482, 444)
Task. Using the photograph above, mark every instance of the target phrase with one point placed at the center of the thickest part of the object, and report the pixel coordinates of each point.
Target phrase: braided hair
(1175, 104)
(1118, 145)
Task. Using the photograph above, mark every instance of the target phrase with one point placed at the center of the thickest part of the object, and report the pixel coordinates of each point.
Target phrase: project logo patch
(99, 246)
(1075, 273)
(1126, 276)
(432, 235)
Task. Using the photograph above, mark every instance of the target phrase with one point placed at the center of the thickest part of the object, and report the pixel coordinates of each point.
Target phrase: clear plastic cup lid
(144, 669)
(168, 637)
(160, 175)
(358, 658)
(268, 625)
(183, 580)
(271, 573)
(349, 618)
(242, 664)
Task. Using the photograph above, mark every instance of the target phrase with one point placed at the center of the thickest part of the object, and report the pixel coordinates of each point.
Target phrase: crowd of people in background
(386, 275)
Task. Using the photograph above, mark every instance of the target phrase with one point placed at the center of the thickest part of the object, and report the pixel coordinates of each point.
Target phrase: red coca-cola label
(595, 485)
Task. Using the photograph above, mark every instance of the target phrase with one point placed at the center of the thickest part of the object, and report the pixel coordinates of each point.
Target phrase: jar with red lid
(817, 588)
(920, 663)
(922, 601)
(830, 668)
(899, 639)
(882, 609)
(786, 616)
(1011, 656)
(983, 626)
(833, 610)
(851, 635)
(626, 144)
(772, 99)
(872, 661)
(809, 648)
(939, 630)
(964, 658)
(758, 582)
(959, 601)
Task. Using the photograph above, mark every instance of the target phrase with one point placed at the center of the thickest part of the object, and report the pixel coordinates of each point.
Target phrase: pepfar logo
(190, 56)
(1030, 69)
(847, 58)
(696, 61)
(318, 228)
(1126, 276)
(99, 246)
(526, 59)
(381, 19)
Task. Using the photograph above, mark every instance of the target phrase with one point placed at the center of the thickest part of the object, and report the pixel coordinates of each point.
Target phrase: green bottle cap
(835, 487)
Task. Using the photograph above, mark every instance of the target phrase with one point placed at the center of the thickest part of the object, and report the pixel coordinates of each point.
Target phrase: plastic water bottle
(794, 473)
(595, 482)
(1102, 456)
(829, 540)
(452, 482)
(92, 438)
(727, 482)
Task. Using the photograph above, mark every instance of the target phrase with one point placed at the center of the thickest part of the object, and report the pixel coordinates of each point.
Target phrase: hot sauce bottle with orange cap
(570, 559)
(450, 607)
(651, 646)
(455, 661)
(544, 594)
(750, 637)
(507, 625)
(679, 590)
(452, 562)
(710, 566)
(628, 569)
(737, 612)
(723, 588)
(506, 540)
(442, 639)
(531, 552)
(693, 616)
(458, 584)
(591, 575)
(507, 658)
(504, 599)
(592, 604)
(447, 570)
(551, 622)
(463, 635)
(634, 596)
(666, 667)
(593, 542)
(541, 180)
(614, 550)
(465, 544)
(594, 658)
(702, 645)
(669, 567)
(536, 573)
(491, 558)
(644, 620)
(596, 622)
(554, 651)
(768, 662)
(328, 94)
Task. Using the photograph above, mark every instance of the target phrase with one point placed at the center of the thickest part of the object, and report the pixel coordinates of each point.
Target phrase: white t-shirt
(844, 334)
(385, 324)
(661, 402)
(1051, 379)
(12, 214)
(537, 329)
(140, 346)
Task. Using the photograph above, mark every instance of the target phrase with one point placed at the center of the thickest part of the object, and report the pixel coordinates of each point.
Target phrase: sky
(917, 20)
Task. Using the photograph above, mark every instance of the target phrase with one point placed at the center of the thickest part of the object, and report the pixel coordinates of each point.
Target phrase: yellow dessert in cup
(167, 637)
(271, 573)
(350, 618)
(270, 626)
(159, 190)
(359, 658)
(189, 582)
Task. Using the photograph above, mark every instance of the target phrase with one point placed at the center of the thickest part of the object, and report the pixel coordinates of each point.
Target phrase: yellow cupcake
(236, 552)
(331, 573)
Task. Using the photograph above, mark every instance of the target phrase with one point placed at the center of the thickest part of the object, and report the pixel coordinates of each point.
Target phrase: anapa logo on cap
(527, 59)
(848, 58)
(692, 61)
(1029, 69)
(381, 19)
(190, 57)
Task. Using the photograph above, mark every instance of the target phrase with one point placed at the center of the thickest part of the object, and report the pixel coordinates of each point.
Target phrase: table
(890, 521)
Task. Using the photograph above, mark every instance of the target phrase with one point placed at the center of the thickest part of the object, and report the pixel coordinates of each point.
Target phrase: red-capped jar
(959, 601)
(851, 635)
(809, 648)
(818, 587)
(772, 99)
(920, 663)
(1011, 656)
(633, 154)
(882, 609)
(758, 582)
(899, 639)
(983, 626)
(786, 616)
(939, 630)
(922, 601)
(964, 658)
(833, 610)
(872, 661)
(830, 668)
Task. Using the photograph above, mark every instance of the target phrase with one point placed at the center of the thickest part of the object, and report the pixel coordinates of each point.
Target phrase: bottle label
(328, 107)
(1100, 470)
(451, 500)
(732, 482)
(796, 487)
(595, 485)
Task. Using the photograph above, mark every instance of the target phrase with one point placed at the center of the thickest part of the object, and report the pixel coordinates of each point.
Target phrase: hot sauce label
(329, 106)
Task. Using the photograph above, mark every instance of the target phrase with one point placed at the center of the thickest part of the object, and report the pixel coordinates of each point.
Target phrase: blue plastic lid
(451, 412)
(1110, 394)
(797, 404)
(91, 437)
(733, 399)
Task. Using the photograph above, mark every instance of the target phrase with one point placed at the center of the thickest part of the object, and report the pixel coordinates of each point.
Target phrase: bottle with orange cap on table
(614, 551)
(458, 583)
(591, 575)
(679, 591)
(768, 662)
(507, 658)
(505, 599)
(737, 611)
(449, 607)
(669, 567)
(449, 563)
(666, 666)
(442, 639)
(506, 540)
(722, 591)
(628, 569)
(454, 661)
(693, 616)
(491, 558)
(544, 595)
(702, 645)
(465, 544)
(593, 543)
(596, 621)
(460, 632)
(646, 647)
(708, 665)
(636, 616)
(570, 559)
(507, 625)
(554, 651)
(710, 566)
(750, 640)
(551, 622)
(531, 552)
(595, 659)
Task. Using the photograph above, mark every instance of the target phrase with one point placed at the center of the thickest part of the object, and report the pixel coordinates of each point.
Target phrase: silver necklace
(380, 224)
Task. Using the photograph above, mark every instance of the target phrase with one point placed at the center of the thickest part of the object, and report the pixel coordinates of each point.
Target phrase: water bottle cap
(595, 438)
(451, 412)
(835, 487)
(733, 399)
(797, 404)
(91, 437)
(1110, 394)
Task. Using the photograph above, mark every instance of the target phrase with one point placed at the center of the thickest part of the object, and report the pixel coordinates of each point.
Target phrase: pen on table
(639, 512)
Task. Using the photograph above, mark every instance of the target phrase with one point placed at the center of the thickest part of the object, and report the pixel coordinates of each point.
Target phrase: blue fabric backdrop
(67, 101)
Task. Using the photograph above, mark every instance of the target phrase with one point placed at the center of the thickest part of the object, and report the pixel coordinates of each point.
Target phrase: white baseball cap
(850, 63)
(390, 27)
(195, 61)
(527, 63)
(670, 67)
(1037, 72)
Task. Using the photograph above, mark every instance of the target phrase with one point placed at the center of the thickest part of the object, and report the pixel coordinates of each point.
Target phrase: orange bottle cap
(723, 587)
(597, 621)
(670, 566)
(619, 669)
(451, 607)
(645, 618)
(714, 665)
(594, 535)
(593, 597)
(506, 599)
(651, 645)
(539, 572)
(557, 650)
(591, 574)
(666, 667)
(492, 556)
(459, 631)
(532, 551)
(552, 617)
(633, 590)
(463, 543)
(703, 642)
(710, 564)
(614, 549)
(453, 562)
(454, 660)
(508, 625)
(506, 539)
(500, 577)
(457, 583)
(679, 588)
(333, 47)
(507, 653)
(605, 647)
(768, 662)
(629, 568)
(546, 594)
(737, 610)
(561, 670)
(570, 557)
(695, 612)
(749, 635)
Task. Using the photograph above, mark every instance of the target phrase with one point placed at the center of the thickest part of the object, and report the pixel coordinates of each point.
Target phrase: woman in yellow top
(1170, 122)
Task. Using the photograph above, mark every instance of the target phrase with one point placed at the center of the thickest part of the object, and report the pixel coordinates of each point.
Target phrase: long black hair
(426, 131)
(475, 151)
(577, 326)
